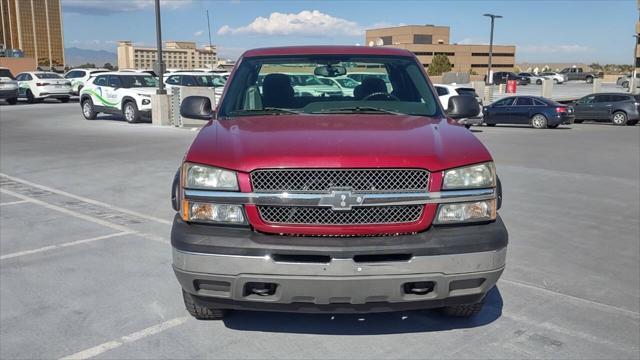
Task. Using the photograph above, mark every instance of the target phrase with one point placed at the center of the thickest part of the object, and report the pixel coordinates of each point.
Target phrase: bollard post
(597, 85)
(478, 86)
(488, 94)
(547, 88)
(160, 110)
(501, 89)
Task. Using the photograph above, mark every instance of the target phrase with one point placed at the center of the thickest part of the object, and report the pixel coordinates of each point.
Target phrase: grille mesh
(322, 180)
(326, 216)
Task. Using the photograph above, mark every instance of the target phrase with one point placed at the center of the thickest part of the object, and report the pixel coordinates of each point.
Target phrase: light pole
(160, 61)
(634, 72)
(493, 18)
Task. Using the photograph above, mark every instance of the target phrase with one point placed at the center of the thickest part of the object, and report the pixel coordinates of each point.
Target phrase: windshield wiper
(266, 110)
(357, 109)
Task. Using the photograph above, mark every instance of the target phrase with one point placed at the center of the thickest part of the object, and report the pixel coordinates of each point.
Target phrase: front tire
(30, 98)
(538, 121)
(555, 81)
(538, 82)
(625, 84)
(12, 101)
(589, 80)
(466, 310)
(64, 100)
(201, 312)
(88, 110)
(131, 113)
(619, 118)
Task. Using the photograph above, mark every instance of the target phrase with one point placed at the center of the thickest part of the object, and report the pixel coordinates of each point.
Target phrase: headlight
(470, 177)
(209, 178)
(212, 213)
(466, 212)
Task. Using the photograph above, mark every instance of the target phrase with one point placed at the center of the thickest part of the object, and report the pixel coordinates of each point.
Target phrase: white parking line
(86, 217)
(63, 245)
(91, 201)
(110, 345)
(13, 202)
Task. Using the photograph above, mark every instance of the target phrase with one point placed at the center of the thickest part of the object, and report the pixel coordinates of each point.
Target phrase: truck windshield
(295, 85)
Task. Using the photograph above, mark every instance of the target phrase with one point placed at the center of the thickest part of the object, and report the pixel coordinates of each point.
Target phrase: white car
(121, 93)
(445, 91)
(556, 77)
(345, 83)
(535, 79)
(38, 85)
(197, 79)
(79, 76)
(8, 86)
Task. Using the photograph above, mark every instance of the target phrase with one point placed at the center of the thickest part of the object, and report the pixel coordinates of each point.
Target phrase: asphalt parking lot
(85, 260)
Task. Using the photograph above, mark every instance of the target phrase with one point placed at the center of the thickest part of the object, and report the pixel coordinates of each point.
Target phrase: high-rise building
(35, 28)
(425, 41)
(176, 55)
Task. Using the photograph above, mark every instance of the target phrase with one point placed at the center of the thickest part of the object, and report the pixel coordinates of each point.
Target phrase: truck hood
(336, 141)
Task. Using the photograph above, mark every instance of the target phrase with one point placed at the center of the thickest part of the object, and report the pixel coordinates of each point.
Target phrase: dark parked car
(619, 108)
(501, 77)
(533, 110)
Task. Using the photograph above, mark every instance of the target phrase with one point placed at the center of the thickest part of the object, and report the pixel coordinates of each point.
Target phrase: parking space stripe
(87, 200)
(110, 345)
(13, 202)
(535, 287)
(63, 245)
(85, 217)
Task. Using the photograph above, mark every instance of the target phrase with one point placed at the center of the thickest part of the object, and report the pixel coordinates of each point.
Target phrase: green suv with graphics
(121, 93)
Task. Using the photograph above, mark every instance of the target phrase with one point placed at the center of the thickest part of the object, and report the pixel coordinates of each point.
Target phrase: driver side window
(101, 81)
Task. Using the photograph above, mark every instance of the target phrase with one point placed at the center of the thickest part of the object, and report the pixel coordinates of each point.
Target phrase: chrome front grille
(323, 180)
(325, 216)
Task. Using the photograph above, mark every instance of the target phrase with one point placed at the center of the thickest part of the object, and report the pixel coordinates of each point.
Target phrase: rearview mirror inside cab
(197, 107)
(462, 107)
(330, 70)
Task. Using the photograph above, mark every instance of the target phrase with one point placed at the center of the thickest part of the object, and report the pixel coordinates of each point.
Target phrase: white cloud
(198, 33)
(306, 23)
(105, 7)
(551, 49)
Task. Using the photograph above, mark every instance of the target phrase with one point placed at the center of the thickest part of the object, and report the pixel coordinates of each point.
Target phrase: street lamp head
(493, 16)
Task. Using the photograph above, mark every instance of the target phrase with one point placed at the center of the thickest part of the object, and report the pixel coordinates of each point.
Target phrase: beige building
(428, 40)
(176, 55)
(35, 28)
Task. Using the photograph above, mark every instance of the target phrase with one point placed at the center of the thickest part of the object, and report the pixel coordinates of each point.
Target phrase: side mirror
(197, 107)
(461, 107)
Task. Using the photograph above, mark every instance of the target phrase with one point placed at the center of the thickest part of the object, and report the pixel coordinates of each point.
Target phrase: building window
(494, 54)
(386, 40)
(423, 53)
(422, 39)
(492, 65)
(444, 53)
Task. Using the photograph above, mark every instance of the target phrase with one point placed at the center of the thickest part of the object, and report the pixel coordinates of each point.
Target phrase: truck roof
(327, 50)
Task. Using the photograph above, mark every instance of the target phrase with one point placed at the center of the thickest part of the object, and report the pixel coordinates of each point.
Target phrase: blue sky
(543, 31)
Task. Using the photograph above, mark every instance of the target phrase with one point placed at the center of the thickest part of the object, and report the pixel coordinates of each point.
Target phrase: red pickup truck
(292, 200)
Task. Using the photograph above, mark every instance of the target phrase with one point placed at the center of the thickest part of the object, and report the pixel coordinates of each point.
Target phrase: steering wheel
(386, 95)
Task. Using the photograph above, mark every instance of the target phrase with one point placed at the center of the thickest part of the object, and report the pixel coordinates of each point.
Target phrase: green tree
(439, 64)
(87, 66)
(108, 66)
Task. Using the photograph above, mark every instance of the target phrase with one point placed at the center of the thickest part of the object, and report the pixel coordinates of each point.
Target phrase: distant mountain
(75, 56)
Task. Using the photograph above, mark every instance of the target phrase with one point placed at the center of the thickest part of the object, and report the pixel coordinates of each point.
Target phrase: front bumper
(221, 267)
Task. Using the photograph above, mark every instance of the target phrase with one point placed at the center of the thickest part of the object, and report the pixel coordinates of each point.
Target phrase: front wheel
(538, 82)
(200, 312)
(30, 98)
(538, 121)
(87, 110)
(589, 80)
(12, 101)
(466, 310)
(64, 100)
(555, 81)
(467, 126)
(625, 84)
(131, 112)
(619, 118)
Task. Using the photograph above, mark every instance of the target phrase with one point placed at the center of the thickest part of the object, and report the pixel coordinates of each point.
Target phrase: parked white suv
(195, 79)
(79, 76)
(445, 91)
(121, 93)
(38, 85)
(8, 86)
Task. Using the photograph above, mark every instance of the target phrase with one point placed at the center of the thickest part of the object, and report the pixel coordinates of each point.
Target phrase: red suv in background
(373, 202)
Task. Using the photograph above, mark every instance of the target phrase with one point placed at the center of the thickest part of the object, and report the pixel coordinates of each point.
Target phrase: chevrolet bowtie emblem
(341, 200)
